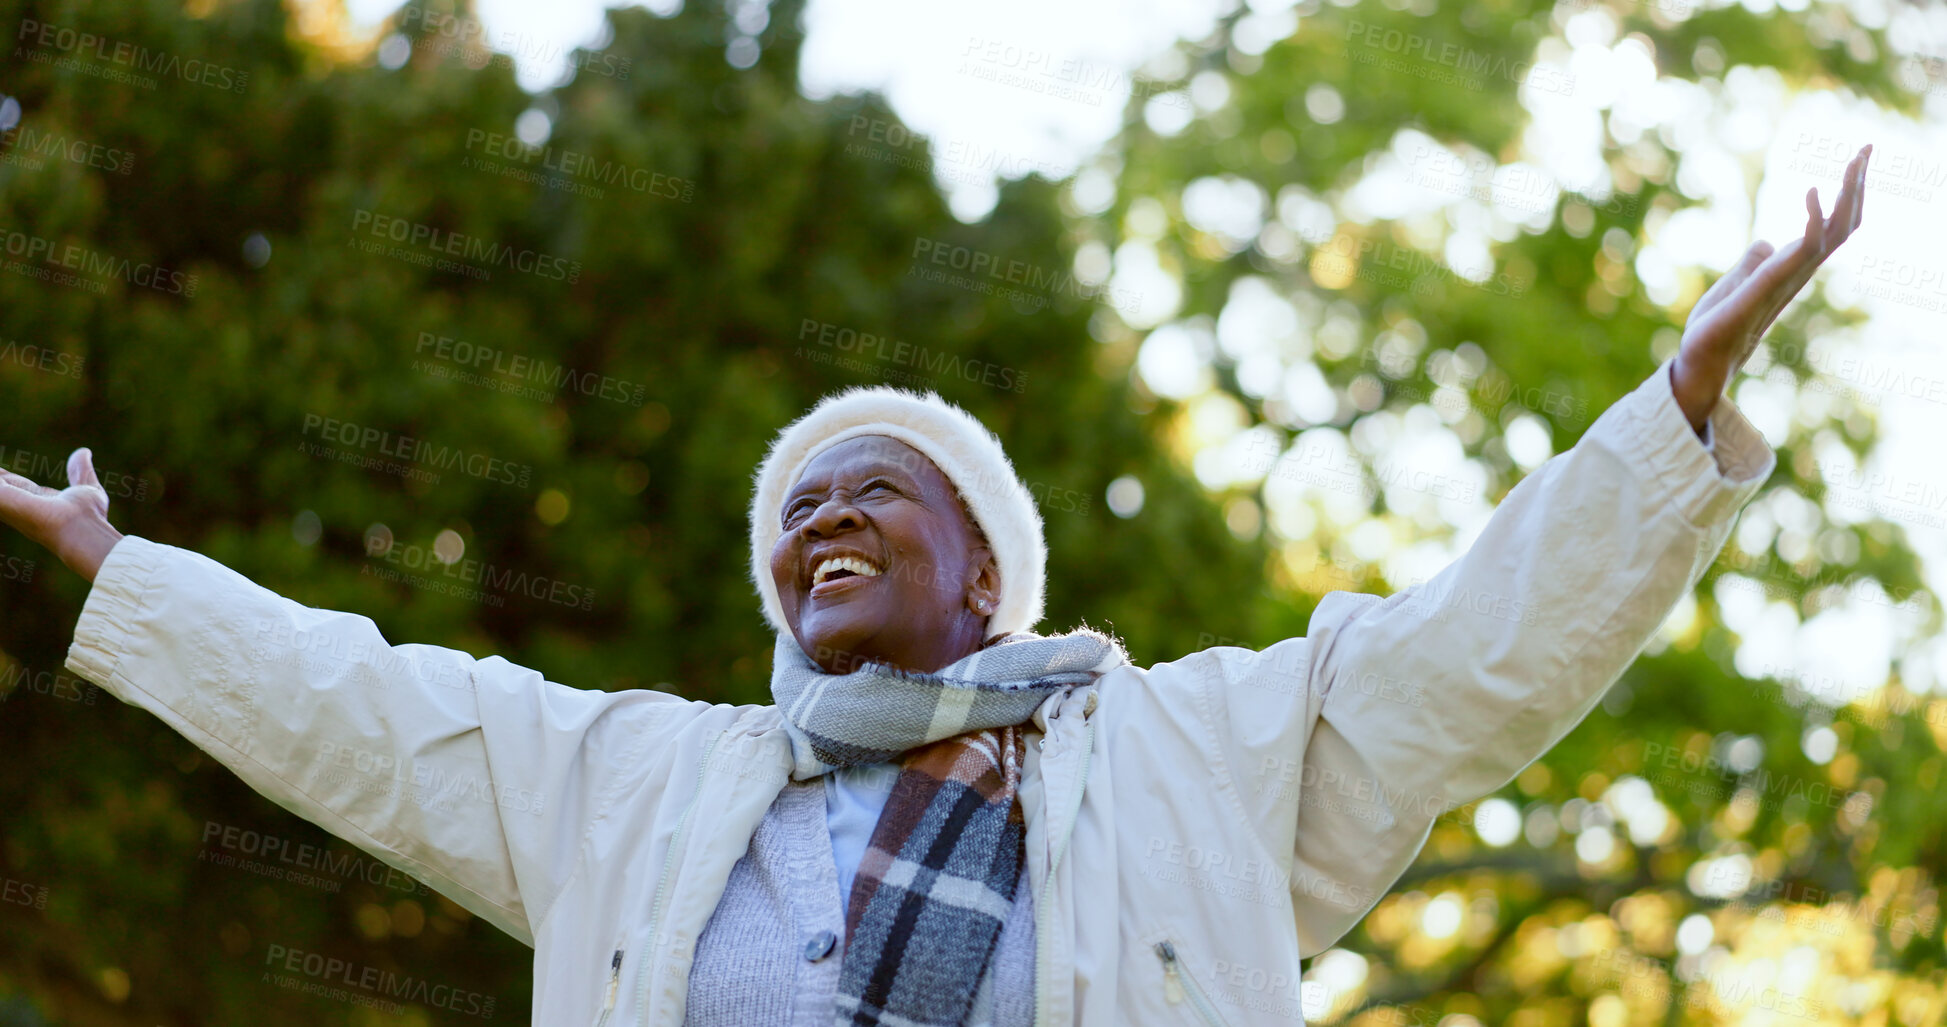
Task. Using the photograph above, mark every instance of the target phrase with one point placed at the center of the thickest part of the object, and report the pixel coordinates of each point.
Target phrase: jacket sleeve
(1403, 708)
(478, 777)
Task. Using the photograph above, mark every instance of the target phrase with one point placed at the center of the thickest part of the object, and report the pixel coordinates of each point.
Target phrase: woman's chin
(835, 637)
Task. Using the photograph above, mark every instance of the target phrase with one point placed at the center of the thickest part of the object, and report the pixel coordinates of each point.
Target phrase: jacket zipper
(669, 864)
(1041, 969)
(614, 978)
(1179, 983)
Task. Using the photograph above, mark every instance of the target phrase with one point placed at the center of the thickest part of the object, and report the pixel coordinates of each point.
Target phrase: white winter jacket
(1194, 828)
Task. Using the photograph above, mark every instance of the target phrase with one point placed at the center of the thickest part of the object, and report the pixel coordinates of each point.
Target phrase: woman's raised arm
(1432, 698)
(476, 776)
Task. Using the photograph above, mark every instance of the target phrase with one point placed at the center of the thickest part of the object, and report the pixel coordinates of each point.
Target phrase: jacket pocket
(1180, 986)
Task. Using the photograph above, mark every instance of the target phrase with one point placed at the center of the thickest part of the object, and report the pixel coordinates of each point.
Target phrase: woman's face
(877, 561)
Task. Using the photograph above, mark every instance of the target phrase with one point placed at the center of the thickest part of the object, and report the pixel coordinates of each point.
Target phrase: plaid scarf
(940, 872)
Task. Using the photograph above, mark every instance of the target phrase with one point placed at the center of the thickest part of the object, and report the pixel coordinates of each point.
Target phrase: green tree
(767, 238)
(1693, 790)
(706, 214)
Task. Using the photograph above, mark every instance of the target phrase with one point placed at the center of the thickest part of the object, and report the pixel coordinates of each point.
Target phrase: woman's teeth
(831, 566)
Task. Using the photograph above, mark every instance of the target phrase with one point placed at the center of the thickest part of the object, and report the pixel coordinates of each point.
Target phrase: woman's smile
(838, 575)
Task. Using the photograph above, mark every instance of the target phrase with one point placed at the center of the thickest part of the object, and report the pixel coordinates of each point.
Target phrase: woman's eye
(798, 510)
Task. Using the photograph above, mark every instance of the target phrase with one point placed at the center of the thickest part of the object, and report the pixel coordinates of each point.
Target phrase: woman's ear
(984, 588)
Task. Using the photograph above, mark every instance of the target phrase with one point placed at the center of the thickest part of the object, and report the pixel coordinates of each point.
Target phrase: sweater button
(820, 946)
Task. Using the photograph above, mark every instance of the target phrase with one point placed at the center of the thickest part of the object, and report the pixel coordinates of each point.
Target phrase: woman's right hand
(72, 522)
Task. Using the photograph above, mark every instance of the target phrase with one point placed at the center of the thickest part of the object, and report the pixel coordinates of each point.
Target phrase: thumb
(81, 471)
(81, 468)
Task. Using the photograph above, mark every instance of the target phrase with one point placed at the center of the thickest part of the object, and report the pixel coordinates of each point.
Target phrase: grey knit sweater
(769, 956)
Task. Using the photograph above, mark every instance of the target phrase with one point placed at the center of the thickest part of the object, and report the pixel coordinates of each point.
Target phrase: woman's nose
(834, 516)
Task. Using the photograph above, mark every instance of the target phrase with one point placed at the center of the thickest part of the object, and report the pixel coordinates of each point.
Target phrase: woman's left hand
(71, 522)
(1726, 324)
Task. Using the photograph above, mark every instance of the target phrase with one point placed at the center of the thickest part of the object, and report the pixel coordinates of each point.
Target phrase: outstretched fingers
(1731, 279)
(24, 484)
(1775, 276)
(1764, 295)
(1766, 287)
(1851, 208)
(18, 497)
(1732, 316)
(1823, 236)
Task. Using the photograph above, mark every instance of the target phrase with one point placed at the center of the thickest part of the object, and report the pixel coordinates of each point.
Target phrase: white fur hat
(962, 448)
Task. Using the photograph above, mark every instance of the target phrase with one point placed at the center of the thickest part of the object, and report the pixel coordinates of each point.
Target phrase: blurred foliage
(1807, 889)
(713, 294)
(200, 403)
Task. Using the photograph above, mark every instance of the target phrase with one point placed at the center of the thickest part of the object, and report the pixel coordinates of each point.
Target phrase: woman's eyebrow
(883, 466)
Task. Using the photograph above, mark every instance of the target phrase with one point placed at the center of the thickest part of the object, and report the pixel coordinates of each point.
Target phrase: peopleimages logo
(1515, 186)
(1465, 66)
(1056, 77)
(476, 572)
(46, 467)
(456, 35)
(559, 377)
(269, 855)
(897, 351)
(96, 263)
(570, 164)
(24, 144)
(50, 683)
(466, 247)
(40, 358)
(370, 985)
(1045, 283)
(433, 784)
(1404, 267)
(159, 62)
(418, 451)
(959, 159)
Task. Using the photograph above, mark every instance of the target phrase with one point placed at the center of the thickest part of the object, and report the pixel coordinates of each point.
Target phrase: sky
(1011, 87)
(931, 63)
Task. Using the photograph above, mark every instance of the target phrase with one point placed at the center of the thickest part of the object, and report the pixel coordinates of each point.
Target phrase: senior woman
(945, 818)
